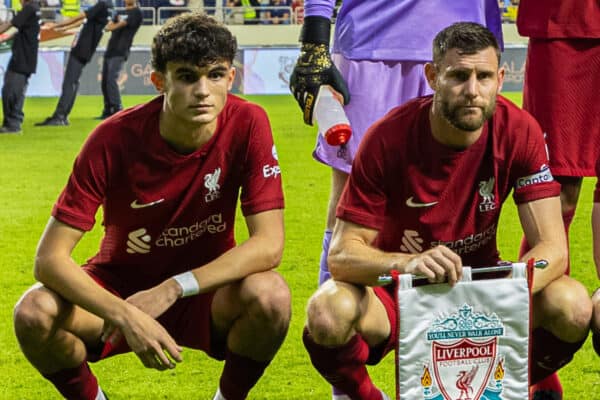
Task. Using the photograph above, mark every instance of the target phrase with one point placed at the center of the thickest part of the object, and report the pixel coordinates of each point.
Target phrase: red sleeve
(84, 192)
(533, 178)
(364, 199)
(261, 186)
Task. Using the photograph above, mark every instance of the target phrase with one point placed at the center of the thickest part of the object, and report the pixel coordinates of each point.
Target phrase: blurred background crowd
(155, 12)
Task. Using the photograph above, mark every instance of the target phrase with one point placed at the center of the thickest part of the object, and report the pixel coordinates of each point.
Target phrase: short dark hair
(192, 37)
(467, 37)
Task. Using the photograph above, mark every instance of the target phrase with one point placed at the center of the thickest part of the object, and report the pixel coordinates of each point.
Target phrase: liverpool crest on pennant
(464, 364)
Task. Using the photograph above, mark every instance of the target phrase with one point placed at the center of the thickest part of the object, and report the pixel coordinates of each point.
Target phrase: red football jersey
(419, 193)
(559, 19)
(164, 212)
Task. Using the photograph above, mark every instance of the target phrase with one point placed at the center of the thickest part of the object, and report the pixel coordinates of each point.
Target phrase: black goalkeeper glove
(314, 67)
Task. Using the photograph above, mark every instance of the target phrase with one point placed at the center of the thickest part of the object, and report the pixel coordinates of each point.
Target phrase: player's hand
(150, 341)
(314, 67)
(439, 264)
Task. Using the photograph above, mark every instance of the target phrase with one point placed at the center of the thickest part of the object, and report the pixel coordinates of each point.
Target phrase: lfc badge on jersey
(211, 182)
(486, 191)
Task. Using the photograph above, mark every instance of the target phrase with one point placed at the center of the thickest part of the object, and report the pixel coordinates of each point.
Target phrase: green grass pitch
(33, 169)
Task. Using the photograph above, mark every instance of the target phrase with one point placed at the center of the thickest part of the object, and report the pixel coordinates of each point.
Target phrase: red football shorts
(562, 80)
(188, 321)
(386, 294)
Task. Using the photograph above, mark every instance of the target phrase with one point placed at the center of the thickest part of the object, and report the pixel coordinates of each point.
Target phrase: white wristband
(189, 284)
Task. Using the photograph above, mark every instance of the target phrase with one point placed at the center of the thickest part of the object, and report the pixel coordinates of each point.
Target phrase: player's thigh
(564, 299)
(46, 309)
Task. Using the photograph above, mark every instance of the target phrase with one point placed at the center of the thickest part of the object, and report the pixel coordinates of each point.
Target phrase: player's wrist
(404, 264)
(316, 30)
(187, 284)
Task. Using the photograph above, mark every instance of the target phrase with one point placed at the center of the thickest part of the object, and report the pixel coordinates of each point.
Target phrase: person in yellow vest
(16, 5)
(250, 11)
(70, 8)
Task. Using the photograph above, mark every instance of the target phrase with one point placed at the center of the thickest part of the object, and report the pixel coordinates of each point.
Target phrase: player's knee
(575, 312)
(34, 316)
(580, 309)
(269, 298)
(331, 315)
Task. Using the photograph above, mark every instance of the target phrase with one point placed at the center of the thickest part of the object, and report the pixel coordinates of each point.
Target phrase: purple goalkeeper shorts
(375, 88)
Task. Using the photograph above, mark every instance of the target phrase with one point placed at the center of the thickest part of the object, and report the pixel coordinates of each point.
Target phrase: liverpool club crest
(464, 364)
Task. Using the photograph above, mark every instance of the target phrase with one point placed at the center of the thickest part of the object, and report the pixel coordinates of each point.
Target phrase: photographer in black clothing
(22, 64)
(94, 19)
(123, 28)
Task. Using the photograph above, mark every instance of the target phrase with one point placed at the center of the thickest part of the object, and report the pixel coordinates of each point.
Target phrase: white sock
(100, 395)
(219, 395)
(340, 397)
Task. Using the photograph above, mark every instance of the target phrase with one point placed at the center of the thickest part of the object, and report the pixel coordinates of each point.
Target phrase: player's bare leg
(344, 322)
(253, 317)
(570, 187)
(338, 180)
(53, 335)
(595, 325)
(561, 318)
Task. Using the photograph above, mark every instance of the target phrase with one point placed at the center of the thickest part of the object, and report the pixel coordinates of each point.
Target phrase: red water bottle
(331, 118)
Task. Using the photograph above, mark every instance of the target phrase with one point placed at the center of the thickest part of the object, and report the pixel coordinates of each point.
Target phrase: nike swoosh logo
(413, 204)
(135, 205)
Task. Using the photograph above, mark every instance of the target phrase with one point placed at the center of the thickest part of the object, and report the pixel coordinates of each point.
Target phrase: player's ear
(431, 75)
(501, 74)
(158, 80)
(231, 77)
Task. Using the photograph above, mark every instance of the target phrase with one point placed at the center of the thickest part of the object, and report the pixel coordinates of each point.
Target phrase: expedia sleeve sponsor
(544, 176)
(271, 171)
